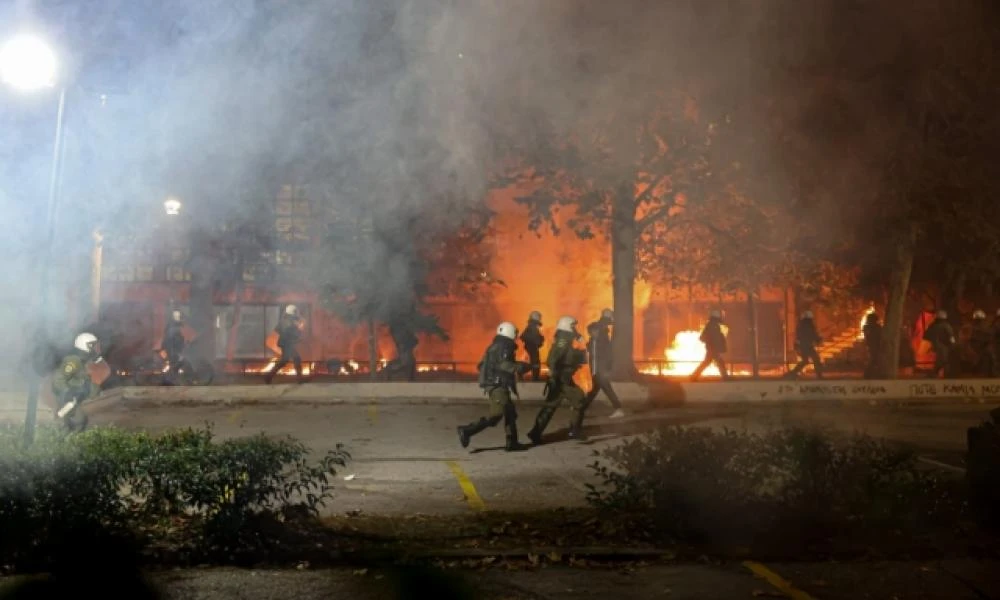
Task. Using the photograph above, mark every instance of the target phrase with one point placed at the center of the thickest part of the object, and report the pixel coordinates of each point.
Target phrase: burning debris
(683, 356)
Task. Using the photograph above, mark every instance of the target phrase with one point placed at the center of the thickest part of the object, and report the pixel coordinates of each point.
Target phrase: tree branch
(660, 212)
(649, 189)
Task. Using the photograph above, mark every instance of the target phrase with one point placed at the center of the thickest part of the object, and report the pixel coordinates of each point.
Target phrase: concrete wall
(665, 394)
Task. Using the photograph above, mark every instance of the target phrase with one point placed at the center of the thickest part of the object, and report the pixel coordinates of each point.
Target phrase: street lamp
(28, 64)
(172, 206)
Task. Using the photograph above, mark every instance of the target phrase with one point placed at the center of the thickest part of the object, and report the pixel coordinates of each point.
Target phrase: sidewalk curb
(666, 394)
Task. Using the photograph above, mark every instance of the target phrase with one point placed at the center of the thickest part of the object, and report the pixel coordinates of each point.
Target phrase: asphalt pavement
(965, 579)
(406, 459)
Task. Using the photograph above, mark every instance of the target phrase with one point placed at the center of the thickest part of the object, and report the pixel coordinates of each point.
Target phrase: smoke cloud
(398, 110)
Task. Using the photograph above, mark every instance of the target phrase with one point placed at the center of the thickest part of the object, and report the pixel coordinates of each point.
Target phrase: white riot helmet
(942, 314)
(807, 315)
(566, 323)
(177, 315)
(715, 314)
(608, 315)
(507, 330)
(291, 309)
(535, 316)
(85, 342)
(979, 314)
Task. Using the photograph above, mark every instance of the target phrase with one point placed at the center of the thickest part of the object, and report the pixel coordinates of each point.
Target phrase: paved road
(951, 580)
(407, 459)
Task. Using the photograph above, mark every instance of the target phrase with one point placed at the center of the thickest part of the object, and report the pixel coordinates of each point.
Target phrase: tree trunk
(887, 366)
(372, 350)
(623, 236)
(754, 340)
(234, 327)
(201, 303)
(951, 294)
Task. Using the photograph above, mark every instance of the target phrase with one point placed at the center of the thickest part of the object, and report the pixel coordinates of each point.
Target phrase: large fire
(864, 318)
(683, 356)
(289, 369)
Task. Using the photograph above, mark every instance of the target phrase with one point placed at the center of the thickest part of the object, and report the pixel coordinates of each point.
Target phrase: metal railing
(466, 370)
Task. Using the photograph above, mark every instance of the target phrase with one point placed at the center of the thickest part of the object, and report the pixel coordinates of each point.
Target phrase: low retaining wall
(662, 394)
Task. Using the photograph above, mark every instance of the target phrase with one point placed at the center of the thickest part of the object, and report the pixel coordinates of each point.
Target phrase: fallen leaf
(555, 556)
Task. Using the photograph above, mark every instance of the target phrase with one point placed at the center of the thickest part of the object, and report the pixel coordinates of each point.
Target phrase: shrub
(126, 482)
(697, 484)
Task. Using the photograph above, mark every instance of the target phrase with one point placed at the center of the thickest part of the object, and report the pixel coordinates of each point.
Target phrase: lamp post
(28, 64)
(172, 206)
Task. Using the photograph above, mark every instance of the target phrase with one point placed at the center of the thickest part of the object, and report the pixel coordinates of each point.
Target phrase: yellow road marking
(785, 587)
(470, 490)
(373, 412)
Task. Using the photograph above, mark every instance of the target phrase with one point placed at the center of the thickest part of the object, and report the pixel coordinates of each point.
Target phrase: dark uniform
(806, 341)
(406, 343)
(941, 337)
(995, 344)
(601, 363)
(715, 347)
(533, 339)
(289, 336)
(173, 344)
(872, 332)
(563, 362)
(498, 378)
(71, 382)
(981, 342)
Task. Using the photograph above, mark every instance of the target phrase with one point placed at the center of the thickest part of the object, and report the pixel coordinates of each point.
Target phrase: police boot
(576, 426)
(541, 421)
(513, 445)
(465, 432)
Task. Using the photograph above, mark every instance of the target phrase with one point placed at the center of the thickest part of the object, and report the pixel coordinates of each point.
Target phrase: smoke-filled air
(437, 166)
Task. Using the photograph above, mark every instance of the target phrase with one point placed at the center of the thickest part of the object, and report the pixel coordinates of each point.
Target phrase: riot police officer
(173, 341)
(563, 361)
(289, 331)
(715, 346)
(872, 332)
(941, 337)
(533, 339)
(599, 353)
(72, 384)
(498, 373)
(806, 342)
(981, 342)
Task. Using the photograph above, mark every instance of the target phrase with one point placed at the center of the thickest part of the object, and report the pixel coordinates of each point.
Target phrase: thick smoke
(397, 111)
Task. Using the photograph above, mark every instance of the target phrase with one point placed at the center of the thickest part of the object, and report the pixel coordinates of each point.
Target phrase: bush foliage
(129, 483)
(698, 484)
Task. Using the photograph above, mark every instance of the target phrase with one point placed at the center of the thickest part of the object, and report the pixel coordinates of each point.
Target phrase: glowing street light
(27, 64)
(172, 206)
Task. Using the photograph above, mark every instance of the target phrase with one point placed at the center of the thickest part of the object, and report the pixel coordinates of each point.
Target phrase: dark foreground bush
(133, 485)
(798, 486)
